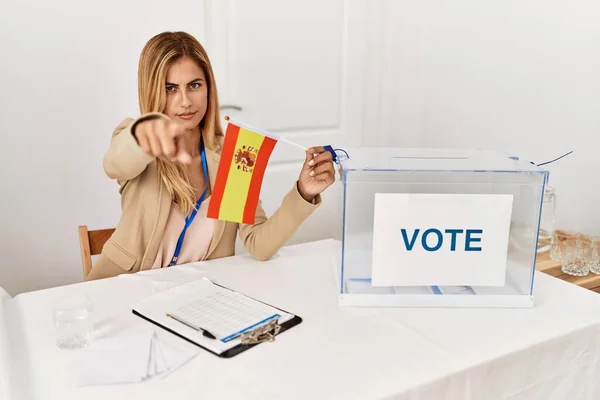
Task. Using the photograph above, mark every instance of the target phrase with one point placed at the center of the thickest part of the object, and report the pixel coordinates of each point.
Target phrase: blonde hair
(159, 53)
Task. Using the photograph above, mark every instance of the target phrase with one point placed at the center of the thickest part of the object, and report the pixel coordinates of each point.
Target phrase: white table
(5, 355)
(549, 352)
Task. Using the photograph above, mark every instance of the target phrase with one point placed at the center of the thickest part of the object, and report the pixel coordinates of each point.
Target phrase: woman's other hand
(317, 173)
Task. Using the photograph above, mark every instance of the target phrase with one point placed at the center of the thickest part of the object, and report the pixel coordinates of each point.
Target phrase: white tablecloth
(549, 352)
(5, 356)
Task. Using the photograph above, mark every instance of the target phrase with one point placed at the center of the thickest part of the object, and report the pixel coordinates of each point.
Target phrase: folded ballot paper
(132, 357)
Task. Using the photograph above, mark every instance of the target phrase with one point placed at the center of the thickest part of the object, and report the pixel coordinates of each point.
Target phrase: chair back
(91, 244)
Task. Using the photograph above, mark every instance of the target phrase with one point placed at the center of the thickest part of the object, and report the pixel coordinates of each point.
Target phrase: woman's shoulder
(214, 144)
(219, 144)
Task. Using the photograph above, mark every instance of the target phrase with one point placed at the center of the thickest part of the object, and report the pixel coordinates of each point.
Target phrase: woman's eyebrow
(192, 81)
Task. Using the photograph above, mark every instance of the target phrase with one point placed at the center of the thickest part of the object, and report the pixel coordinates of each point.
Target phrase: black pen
(205, 333)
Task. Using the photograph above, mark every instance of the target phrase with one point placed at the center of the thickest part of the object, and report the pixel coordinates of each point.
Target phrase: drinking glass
(575, 257)
(547, 219)
(559, 237)
(73, 321)
(595, 256)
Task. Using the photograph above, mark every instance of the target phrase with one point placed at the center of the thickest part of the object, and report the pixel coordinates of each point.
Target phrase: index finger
(181, 154)
(176, 129)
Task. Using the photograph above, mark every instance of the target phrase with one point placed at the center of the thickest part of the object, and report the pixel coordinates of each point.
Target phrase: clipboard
(264, 332)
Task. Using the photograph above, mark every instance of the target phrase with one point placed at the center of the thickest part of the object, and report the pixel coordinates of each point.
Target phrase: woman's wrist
(306, 197)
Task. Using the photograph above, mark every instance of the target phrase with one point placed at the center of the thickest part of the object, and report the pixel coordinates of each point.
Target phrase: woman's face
(187, 93)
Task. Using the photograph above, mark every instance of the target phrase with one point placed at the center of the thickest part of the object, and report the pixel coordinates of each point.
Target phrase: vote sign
(440, 239)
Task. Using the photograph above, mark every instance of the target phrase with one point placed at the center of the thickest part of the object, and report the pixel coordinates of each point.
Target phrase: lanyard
(190, 218)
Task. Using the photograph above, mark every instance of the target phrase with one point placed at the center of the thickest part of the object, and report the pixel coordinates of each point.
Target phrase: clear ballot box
(437, 228)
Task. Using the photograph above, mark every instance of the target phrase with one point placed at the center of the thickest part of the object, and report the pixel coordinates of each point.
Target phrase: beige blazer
(145, 204)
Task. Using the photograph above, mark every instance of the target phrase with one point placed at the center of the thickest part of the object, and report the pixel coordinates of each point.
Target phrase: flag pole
(278, 138)
(293, 143)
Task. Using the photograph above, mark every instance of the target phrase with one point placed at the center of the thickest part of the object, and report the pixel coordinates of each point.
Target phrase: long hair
(159, 53)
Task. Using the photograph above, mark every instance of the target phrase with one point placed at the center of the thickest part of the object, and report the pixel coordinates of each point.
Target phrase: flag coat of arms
(244, 158)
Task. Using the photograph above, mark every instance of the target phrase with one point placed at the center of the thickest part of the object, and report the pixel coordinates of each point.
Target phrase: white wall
(520, 75)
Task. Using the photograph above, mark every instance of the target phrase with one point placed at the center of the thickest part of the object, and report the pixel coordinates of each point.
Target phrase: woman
(166, 160)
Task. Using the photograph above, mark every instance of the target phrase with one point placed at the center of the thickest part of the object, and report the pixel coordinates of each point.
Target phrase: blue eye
(195, 85)
(171, 89)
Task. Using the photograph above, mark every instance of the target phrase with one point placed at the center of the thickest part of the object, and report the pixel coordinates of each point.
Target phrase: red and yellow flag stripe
(244, 159)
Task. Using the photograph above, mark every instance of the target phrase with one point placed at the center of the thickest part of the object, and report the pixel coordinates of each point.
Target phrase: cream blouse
(196, 241)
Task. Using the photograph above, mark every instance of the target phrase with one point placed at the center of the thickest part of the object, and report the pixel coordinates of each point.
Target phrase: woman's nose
(185, 99)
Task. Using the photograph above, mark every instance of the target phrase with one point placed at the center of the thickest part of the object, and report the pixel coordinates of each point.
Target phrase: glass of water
(73, 321)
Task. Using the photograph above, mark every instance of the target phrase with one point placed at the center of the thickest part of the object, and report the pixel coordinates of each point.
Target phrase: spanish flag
(244, 158)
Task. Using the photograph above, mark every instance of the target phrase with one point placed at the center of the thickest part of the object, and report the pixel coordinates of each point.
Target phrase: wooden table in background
(551, 267)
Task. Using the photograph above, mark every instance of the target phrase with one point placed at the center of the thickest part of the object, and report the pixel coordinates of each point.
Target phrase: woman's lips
(186, 115)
